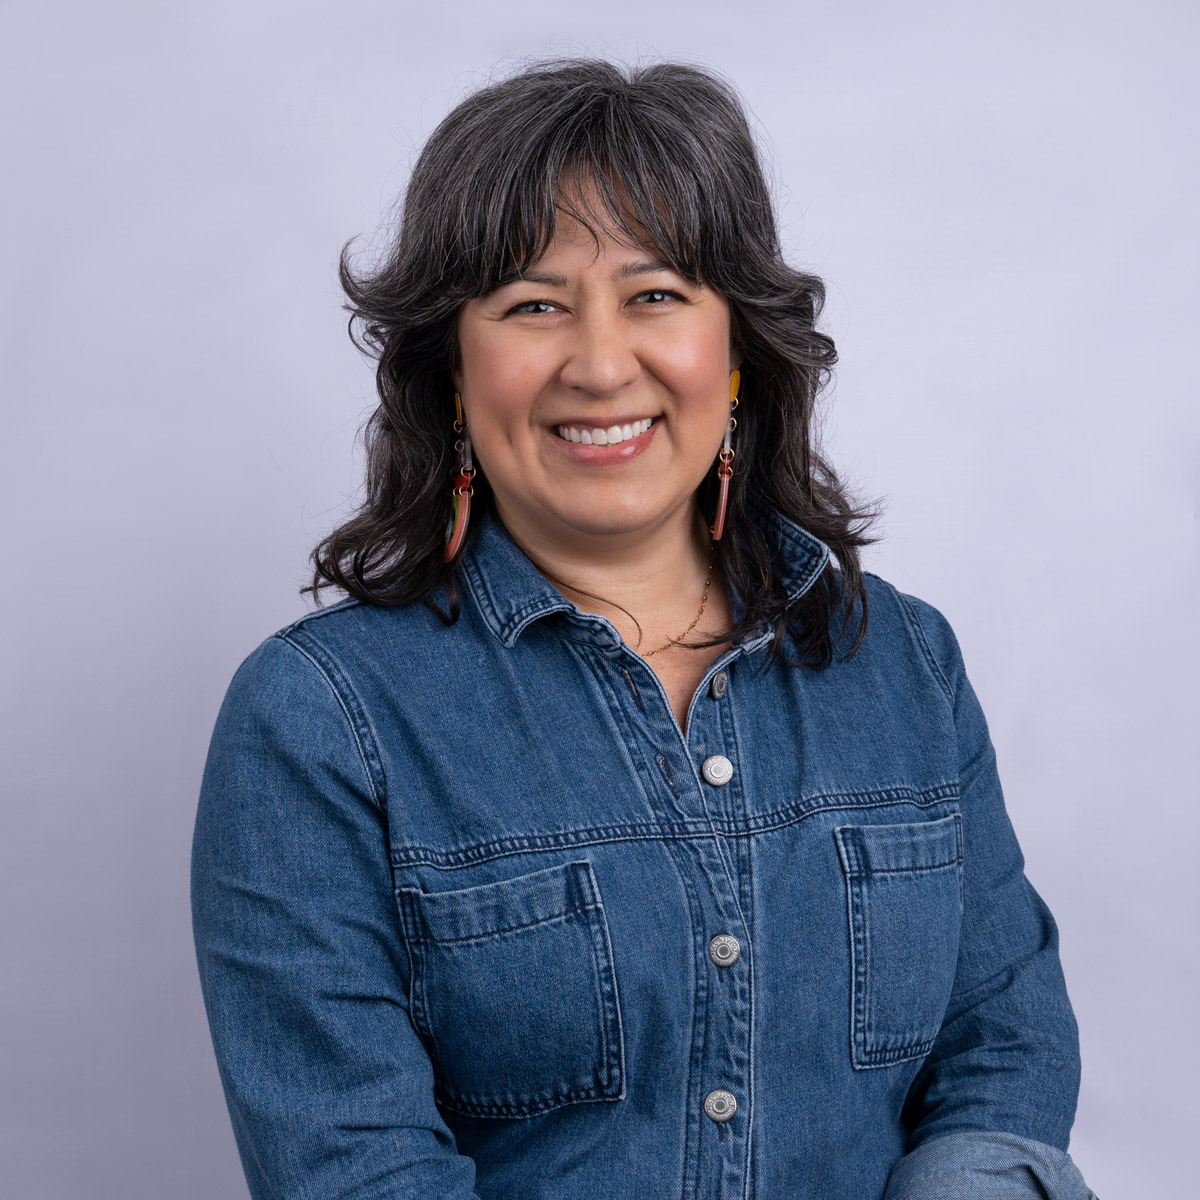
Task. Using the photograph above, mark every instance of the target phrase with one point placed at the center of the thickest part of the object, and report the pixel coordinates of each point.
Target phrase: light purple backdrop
(1002, 198)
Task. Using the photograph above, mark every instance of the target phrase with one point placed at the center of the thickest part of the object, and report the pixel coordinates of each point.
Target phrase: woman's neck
(650, 580)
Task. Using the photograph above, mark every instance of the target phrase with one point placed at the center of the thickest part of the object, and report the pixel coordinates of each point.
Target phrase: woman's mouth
(598, 435)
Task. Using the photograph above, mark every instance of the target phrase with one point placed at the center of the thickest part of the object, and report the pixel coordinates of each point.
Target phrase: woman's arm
(329, 1088)
(991, 1109)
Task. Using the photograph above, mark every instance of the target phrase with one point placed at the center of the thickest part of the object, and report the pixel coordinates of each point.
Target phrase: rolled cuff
(986, 1166)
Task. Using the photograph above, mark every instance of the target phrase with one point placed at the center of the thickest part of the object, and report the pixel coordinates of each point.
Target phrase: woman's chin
(610, 516)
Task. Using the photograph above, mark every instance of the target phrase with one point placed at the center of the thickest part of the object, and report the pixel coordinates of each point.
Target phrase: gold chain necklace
(703, 601)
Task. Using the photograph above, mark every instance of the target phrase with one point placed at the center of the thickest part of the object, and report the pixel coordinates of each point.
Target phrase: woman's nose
(601, 357)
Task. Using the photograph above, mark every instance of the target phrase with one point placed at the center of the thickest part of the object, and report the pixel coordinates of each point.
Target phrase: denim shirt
(474, 918)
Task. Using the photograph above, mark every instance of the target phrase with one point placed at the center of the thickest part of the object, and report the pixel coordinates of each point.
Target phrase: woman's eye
(531, 306)
(653, 298)
(659, 295)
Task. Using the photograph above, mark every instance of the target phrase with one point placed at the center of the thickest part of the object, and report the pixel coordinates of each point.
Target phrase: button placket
(726, 1097)
(699, 781)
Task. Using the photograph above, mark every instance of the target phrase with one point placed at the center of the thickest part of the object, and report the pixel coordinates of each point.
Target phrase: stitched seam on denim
(530, 1104)
(918, 629)
(504, 931)
(350, 721)
(650, 831)
(874, 1059)
(355, 712)
(903, 1045)
(853, 1032)
(612, 1001)
(701, 993)
(861, 939)
(744, 858)
(340, 606)
(874, 798)
(458, 1102)
(698, 988)
(875, 873)
(602, 1014)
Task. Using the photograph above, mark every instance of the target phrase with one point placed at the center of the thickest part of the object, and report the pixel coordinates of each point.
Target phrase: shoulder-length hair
(669, 150)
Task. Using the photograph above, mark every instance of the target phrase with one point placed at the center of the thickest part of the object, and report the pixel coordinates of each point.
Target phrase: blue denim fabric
(454, 890)
(986, 1166)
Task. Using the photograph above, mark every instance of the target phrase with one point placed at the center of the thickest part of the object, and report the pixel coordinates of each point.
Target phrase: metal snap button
(724, 950)
(720, 1105)
(719, 685)
(717, 770)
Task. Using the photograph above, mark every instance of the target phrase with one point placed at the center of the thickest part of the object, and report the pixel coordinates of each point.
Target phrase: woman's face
(595, 389)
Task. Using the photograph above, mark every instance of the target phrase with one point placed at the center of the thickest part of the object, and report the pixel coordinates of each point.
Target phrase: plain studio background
(1002, 199)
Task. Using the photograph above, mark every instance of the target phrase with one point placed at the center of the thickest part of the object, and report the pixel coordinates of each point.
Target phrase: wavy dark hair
(671, 155)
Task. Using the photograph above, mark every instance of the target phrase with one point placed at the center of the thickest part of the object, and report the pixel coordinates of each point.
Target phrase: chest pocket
(514, 993)
(904, 900)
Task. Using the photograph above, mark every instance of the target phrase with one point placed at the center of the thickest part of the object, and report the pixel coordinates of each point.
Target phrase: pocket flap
(924, 846)
(507, 904)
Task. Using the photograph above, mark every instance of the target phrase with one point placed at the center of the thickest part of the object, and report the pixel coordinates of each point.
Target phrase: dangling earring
(461, 491)
(725, 458)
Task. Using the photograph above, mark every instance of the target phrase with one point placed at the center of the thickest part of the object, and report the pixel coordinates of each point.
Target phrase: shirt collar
(511, 593)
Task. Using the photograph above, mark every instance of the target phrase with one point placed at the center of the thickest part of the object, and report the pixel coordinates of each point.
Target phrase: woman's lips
(600, 444)
(603, 435)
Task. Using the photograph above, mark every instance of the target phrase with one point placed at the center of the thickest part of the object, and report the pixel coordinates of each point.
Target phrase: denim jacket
(474, 918)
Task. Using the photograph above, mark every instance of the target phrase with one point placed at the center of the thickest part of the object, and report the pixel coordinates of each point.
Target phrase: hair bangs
(614, 178)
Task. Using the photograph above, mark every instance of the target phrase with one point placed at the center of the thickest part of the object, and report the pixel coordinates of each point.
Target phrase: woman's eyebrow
(640, 266)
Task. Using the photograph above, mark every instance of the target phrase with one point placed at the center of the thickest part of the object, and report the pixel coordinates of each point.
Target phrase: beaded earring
(725, 459)
(461, 489)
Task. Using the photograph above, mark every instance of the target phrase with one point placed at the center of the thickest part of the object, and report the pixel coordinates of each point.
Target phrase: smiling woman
(615, 835)
(594, 352)
(538, 214)
(596, 409)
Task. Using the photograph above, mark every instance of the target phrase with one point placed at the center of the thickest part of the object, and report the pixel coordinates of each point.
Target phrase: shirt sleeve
(986, 1166)
(991, 1108)
(329, 1088)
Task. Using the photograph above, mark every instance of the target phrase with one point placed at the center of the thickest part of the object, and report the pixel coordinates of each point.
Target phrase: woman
(616, 836)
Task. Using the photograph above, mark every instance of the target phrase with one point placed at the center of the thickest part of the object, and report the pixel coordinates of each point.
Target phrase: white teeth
(595, 436)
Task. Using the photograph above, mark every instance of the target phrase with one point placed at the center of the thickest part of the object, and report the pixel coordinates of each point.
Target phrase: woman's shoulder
(352, 630)
(312, 690)
(353, 650)
(904, 625)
